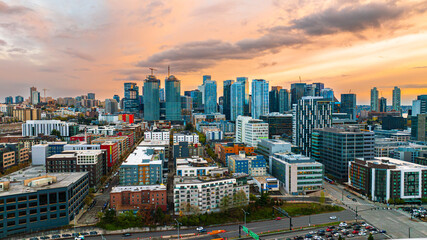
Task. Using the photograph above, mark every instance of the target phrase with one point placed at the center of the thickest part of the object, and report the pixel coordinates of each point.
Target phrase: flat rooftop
(141, 156)
(400, 164)
(154, 142)
(62, 180)
(138, 188)
(263, 179)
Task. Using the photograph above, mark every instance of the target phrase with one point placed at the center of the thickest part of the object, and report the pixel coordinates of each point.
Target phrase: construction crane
(299, 79)
(152, 70)
(169, 70)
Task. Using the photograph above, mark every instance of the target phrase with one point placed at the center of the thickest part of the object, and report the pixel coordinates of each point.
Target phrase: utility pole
(245, 215)
(356, 213)
(178, 223)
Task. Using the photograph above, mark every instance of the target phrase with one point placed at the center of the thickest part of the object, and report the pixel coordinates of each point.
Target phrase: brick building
(134, 198)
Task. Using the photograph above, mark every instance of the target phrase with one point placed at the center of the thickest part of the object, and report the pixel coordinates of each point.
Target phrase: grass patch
(300, 209)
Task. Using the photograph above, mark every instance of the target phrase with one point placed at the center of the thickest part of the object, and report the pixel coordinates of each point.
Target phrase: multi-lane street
(396, 222)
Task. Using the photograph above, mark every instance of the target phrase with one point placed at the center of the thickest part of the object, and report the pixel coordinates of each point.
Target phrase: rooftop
(143, 155)
(17, 182)
(154, 143)
(398, 164)
(138, 188)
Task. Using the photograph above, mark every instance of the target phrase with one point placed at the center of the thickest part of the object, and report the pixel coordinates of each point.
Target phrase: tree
(56, 133)
(391, 201)
(225, 203)
(189, 127)
(370, 237)
(340, 238)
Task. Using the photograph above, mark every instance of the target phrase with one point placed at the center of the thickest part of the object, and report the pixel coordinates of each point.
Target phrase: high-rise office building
(250, 131)
(327, 93)
(8, 100)
(111, 106)
(151, 98)
(237, 100)
(419, 127)
(173, 98)
(419, 106)
(310, 90)
(162, 94)
(35, 98)
(91, 96)
(32, 89)
(309, 113)
(284, 101)
(117, 98)
(19, 99)
(274, 98)
(297, 92)
(383, 104)
(336, 147)
(396, 99)
(260, 103)
(197, 98)
(210, 95)
(319, 87)
(227, 99)
(348, 104)
(245, 81)
(131, 98)
(374, 100)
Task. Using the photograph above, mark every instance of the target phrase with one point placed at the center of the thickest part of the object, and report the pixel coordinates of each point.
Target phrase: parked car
(126, 235)
(278, 218)
(56, 236)
(354, 200)
(66, 235)
(383, 231)
(34, 238)
(93, 233)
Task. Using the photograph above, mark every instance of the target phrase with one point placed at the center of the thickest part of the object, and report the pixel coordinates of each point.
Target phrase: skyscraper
(32, 89)
(309, 113)
(374, 100)
(173, 98)
(152, 98)
(210, 96)
(19, 99)
(260, 99)
(297, 92)
(327, 93)
(197, 98)
(117, 97)
(8, 100)
(91, 96)
(35, 98)
(245, 81)
(237, 100)
(227, 99)
(162, 94)
(348, 104)
(111, 106)
(284, 104)
(396, 99)
(383, 104)
(131, 98)
(319, 87)
(274, 98)
(310, 90)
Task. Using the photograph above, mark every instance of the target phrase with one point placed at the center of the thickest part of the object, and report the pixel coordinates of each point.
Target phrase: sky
(74, 47)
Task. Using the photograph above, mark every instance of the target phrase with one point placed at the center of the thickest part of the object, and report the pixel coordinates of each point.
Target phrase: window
(44, 217)
(22, 213)
(10, 215)
(33, 211)
(33, 219)
(22, 221)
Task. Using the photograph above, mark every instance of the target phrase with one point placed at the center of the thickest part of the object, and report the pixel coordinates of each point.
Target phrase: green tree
(56, 133)
(391, 201)
(189, 127)
(225, 203)
(370, 237)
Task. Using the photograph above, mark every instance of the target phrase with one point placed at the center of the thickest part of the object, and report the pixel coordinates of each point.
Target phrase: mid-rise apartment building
(186, 137)
(135, 198)
(251, 165)
(144, 166)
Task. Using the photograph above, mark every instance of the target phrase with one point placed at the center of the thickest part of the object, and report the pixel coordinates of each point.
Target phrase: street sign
(252, 234)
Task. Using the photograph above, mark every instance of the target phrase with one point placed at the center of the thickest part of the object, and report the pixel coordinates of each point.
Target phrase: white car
(362, 234)
(350, 235)
(312, 232)
(333, 217)
(199, 228)
(343, 224)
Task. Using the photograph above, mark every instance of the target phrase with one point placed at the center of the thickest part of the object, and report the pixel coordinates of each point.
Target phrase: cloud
(130, 78)
(81, 69)
(266, 64)
(7, 9)
(419, 67)
(193, 56)
(49, 69)
(75, 54)
(3, 43)
(409, 85)
(17, 50)
(349, 19)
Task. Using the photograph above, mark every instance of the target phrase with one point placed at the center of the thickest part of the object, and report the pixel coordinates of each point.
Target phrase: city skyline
(77, 47)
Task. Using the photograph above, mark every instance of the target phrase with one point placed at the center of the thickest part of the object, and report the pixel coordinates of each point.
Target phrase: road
(258, 227)
(396, 222)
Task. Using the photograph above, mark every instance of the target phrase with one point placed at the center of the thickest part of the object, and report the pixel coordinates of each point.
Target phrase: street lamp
(178, 223)
(245, 214)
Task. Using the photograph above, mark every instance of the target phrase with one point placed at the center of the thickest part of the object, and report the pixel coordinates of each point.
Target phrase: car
(383, 231)
(278, 218)
(328, 230)
(66, 235)
(374, 232)
(333, 217)
(56, 236)
(199, 228)
(312, 232)
(203, 231)
(75, 234)
(368, 227)
(34, 238)
(355, 232)
(350, 235)
(354, 200)
(343, 224)
(126, 234)
(44, 237)
(321, 233)
(93, 233)
(362, 234)
(349, 196)
(337, 234)
(84, 233)
(308, 236)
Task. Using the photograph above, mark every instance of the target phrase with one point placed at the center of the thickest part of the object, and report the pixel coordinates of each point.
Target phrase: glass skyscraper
(237, 100)
(284, 100)
(297, 92)
(327, 93)
(245, 81)
(383, 104)
(374, 100)
(274, 98)
(210, 96)
(151, 98)
(227, 98)
(396, 99)
(260, 98)
(173, 98)
(131, 98)
(348, 104)
(117, 97)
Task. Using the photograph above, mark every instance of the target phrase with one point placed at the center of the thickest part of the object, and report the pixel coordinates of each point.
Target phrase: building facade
(210, 96)
(260, 98)
(151, 98)
(278, 124)
(173, 98)
(348, 104)
(396, 99)
(131, 98)
(45, 127)
(374, 100)
(136, 198)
